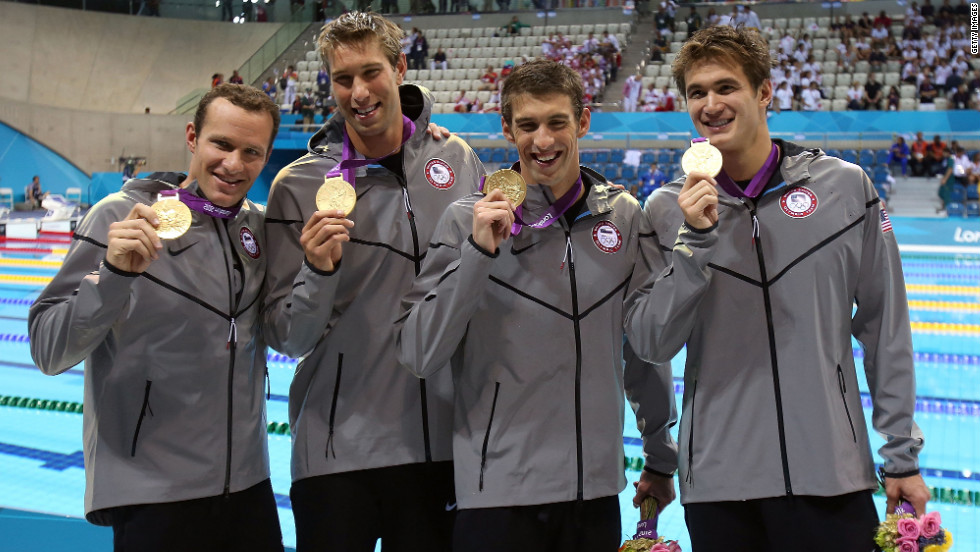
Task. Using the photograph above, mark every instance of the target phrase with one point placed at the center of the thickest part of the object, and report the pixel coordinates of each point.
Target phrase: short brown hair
(240, 95)
(542, 77)
(737, 46)
(356, 28)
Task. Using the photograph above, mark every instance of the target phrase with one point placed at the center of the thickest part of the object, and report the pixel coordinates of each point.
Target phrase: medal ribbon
(202, 205)
(348, 163)
(554, 212)
(758, 181)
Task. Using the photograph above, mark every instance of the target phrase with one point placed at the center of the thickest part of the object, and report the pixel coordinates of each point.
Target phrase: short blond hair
(358, 28)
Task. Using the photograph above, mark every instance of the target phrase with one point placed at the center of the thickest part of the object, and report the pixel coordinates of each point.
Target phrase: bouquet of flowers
(645, 539)
(903, 532)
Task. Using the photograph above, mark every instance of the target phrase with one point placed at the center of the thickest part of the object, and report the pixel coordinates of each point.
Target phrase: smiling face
(546, 133)
(365, 86)
(229, 151)
(726, 109)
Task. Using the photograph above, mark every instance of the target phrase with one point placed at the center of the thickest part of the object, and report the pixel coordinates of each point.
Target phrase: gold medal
(175, 218)
(703, 158)
(508, 181)
(336, 194)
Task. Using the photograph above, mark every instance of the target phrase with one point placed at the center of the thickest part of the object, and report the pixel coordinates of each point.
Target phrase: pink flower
(930, 524)
(906, 544)
(908, 527)
(672, 546)
(660, 547)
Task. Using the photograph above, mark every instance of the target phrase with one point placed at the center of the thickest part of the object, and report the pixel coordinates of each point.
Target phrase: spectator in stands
(921, 164)
(960, 99)
(236, 78)
(894, 98)
(855, 95)
(660, 18)
(693, 21)
(420, 50)
(289, 82)
(660, 46)
(631, 92)
(34, 194)
(712, 18)
(323, 83)
(269, 87)
(872, 96)
(784, 97)
(948, 179)
(650, 180)
(751, 19)
(883, 19)
(307, 108)
(217, 79)
(465, 104)
(927, 11)
(937, 156)
(899, 153)
(666, 100)
(489, 79)
(927, 93)
(514, 26)
(878, 59)
(439, 61)
(811, 99)
(611, 40)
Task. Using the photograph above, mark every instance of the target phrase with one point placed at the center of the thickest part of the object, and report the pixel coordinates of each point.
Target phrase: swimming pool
(41, 466)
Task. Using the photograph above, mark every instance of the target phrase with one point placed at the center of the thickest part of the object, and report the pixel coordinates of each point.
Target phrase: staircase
(915, 196)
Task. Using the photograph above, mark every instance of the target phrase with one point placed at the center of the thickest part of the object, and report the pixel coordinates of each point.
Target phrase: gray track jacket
(535, 336)
(771, 400)
(351, 406)
(173, 409)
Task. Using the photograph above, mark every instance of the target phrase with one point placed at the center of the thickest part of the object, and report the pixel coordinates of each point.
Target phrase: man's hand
(912, 489)
(699, 201)
(322, 238)
(133, 242)
(492, 219)
(653, 485)
(438, 132)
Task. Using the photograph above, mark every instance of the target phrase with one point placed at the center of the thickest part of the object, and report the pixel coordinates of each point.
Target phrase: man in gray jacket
(533, 330)
(759, 270)
(371, 443)
(176, 452)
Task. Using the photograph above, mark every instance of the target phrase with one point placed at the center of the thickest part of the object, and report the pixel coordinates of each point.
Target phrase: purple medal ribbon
(554, 212)
(348, 164)
(758, 181)
(202, 205)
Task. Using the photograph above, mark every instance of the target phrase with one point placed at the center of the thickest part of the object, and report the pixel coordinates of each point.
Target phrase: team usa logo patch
(440, 174)
(607, 237)
(249, 243)
(799, 202)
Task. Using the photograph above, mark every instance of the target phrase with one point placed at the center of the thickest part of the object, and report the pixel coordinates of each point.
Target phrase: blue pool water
(41, 467)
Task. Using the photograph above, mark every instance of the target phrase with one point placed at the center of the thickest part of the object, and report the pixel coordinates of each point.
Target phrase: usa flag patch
(886, 223)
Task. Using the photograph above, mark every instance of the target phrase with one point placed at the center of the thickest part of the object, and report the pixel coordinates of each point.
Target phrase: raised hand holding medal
(699, 195)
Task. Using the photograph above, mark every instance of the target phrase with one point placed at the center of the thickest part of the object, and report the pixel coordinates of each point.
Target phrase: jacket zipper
(232, 347)
(333, 406)
(418, 268)
(578, 364)
(486, 437)
(690, 437)
(145, 408)
(843, 398)
(771, 331)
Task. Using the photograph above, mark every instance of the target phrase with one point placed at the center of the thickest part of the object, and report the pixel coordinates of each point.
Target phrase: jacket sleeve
(76, 311)
(650, 387)
(445, 295)
(661, 313)
(299, 302)
(881, 325)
